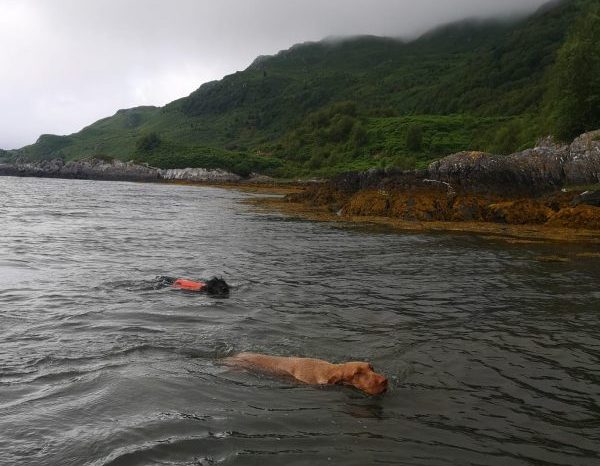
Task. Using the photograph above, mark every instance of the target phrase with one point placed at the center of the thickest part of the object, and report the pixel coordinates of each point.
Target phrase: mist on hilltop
(68, 63)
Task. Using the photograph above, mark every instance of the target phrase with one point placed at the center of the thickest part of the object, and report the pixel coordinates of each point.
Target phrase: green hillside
(324, 107)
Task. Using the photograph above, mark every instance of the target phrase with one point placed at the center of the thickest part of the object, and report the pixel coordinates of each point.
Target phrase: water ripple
(493, 356)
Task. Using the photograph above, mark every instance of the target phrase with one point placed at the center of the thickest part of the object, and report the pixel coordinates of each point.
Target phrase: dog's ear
(343, 374)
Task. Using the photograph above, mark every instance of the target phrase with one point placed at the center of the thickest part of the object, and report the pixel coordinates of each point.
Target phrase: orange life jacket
(183, 284)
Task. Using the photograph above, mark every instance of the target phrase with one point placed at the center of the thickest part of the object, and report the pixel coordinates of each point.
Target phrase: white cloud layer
(67, 63)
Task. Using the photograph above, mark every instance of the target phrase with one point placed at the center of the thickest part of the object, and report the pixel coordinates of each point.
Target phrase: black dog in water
(215, 286)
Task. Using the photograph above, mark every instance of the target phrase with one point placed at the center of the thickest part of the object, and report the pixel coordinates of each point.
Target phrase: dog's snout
(379, 385)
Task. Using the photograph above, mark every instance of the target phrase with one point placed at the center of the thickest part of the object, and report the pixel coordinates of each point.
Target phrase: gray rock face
(199, 174)
(546, 167)
(531, 171)
(116, 170)
(46, 168)
(260, 179)
(91, 169)
(583, 164)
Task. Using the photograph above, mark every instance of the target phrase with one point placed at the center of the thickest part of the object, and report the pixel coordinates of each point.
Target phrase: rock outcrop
(199, 174)
(583, 164)
(88, 169)
(545, 168)
(524, 188)
(114, 170)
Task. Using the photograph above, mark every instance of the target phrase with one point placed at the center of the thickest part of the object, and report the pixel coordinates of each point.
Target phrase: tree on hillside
(573, 97)
(148, 143)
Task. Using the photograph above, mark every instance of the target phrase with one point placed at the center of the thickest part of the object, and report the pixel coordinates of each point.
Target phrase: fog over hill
(67, 63)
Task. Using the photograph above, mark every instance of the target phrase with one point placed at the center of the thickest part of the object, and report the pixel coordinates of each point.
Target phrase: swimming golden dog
(314, 371)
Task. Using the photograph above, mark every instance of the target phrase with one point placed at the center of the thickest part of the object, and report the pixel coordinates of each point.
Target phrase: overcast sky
(66, 63)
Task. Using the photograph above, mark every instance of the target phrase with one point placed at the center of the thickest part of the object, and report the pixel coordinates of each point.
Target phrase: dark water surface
(493, 355)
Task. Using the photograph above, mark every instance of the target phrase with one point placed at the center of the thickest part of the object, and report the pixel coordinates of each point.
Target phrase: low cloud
(67, 63)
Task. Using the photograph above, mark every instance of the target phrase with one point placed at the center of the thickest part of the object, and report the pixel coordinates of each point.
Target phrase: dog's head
(217, 286)
(360, 375)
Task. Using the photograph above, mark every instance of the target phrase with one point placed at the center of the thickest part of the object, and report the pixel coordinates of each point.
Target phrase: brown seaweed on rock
(519, 189)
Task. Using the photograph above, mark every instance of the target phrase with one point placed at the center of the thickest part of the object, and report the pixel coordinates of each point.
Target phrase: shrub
(414, 138)
(148, 143)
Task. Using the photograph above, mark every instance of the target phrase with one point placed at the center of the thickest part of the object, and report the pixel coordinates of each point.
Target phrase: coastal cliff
(533, 187)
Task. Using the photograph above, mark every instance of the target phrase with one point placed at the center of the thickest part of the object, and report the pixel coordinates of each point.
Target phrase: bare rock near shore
(583, 164)
(113, 170)
(45, 168)
(199, 175)
(523, 188)
(92, 169)
(528, 172)
(546, 167)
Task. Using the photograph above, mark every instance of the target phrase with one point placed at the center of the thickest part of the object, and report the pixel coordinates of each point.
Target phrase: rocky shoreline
(527, 192)
(473, 191)
(113, 170)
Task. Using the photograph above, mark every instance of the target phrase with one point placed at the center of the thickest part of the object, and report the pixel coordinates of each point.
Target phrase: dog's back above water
(314, 371)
